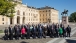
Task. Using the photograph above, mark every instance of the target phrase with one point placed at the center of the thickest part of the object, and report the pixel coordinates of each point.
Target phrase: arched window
(23, 13)
(18, 12)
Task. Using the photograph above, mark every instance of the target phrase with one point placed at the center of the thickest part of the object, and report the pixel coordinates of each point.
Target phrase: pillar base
(65, 20)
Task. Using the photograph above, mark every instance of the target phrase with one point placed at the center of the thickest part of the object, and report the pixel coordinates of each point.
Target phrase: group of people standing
(36, 31)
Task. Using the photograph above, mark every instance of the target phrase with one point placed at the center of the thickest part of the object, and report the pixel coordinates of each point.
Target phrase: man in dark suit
(6, 33)
(17, 33)
(15, 27)
(56, 30)
(19, 27)
(68, 31)
(40, 32)
(37, 31)
(34, 32)
(28, 32)
(52, 31)
(64, 31)
(48, 30)
(11, 31)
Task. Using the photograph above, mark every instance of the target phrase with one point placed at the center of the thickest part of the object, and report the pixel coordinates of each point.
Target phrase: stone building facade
(26, 14)
(48, 15)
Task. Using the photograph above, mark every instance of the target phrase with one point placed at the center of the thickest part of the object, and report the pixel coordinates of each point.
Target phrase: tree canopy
(72, 17)
(7, 8)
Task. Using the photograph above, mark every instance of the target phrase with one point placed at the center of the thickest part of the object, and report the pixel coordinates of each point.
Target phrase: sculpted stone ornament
(65, 17)
(65, 12)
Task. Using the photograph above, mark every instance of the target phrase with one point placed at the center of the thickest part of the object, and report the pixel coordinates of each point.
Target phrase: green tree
(7, 8)
(72, 17)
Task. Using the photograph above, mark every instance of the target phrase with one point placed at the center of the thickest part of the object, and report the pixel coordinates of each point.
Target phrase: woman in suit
(60, 31)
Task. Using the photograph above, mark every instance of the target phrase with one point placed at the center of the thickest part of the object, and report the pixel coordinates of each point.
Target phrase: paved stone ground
(43, 40)
(72, 39)
(37, 40)
(74, 35)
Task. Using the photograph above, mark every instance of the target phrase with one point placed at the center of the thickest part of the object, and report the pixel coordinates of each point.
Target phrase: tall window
(40, 14)
(29, 9)
(29, 19)
(33, 19)
(18, 12)
(49, 14)
(49, 10)
(46, 10)
(43, 11)
(46, 18)
(43, 14)
(2, 23)
(23, 13)
(43, 19)
(40, 11)
(40, 19)
(46, 14)
(2, 19)
(29, 14)
(36, 19)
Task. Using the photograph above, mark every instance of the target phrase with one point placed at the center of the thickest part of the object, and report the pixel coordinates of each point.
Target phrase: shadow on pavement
(23, 42)
(70, 41)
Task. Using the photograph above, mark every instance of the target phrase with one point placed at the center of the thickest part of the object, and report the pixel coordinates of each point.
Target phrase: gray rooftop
(46, 7)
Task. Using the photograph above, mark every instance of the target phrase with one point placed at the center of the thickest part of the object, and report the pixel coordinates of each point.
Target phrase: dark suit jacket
(34, 30)
(6, 31)
(64, 30)
(68, 29)
(17, 31)
(11, 31)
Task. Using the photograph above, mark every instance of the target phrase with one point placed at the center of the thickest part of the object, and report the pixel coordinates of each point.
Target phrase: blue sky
(57, 4)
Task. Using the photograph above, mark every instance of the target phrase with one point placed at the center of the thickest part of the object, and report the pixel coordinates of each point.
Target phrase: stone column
(24, 20)
(8, 20)
(21, 20)
(65, 19)
(15, 20)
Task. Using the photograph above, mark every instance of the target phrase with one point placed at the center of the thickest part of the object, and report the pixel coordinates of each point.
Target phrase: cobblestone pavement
(74, 35)
(37, 40)
(43, 40)
(72, 39)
